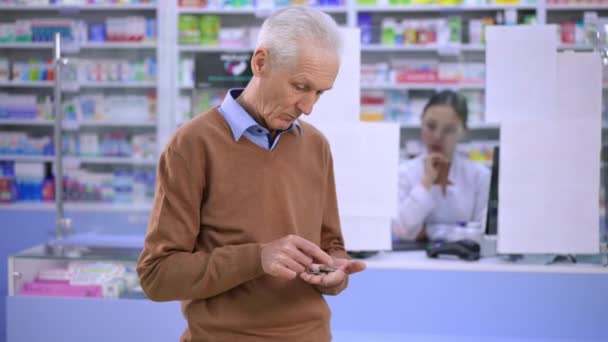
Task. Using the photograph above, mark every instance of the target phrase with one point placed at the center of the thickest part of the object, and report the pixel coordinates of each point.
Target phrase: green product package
(455, 29)
(189, 32)
(210, 27)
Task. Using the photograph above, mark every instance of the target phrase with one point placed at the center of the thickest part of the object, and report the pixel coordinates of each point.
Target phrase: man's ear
(260, 62)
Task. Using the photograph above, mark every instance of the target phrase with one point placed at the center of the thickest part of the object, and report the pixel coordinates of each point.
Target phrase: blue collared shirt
(242, 124)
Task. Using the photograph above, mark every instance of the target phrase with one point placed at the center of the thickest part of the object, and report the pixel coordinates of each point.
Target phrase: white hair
(287, 30)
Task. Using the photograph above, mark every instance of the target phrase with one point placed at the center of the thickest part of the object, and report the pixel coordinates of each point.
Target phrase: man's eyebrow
(310, 83)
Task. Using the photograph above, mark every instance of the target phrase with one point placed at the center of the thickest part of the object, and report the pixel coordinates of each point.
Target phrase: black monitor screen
(223, 70)
(492, 215)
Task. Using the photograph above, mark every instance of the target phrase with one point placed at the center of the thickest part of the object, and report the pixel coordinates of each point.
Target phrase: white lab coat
(465, 200)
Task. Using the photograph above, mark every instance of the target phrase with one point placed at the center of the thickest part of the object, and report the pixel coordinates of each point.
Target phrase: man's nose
(306, 103)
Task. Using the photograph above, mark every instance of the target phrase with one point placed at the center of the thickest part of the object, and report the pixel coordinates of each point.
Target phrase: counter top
(417, 260)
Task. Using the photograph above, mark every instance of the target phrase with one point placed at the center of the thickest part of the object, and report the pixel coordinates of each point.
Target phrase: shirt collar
(239, 120)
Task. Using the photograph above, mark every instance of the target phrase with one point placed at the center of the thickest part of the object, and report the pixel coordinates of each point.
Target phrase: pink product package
(60, 289)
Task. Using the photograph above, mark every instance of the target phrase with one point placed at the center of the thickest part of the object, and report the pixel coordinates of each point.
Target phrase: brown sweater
(216, 201)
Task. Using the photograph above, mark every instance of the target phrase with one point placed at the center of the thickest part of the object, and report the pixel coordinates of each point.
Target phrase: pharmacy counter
(403, 296)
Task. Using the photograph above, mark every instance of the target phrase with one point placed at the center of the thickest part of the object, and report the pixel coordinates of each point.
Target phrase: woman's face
(442, 128)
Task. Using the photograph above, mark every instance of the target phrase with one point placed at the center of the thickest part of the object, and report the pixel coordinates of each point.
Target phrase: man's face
(288, 92)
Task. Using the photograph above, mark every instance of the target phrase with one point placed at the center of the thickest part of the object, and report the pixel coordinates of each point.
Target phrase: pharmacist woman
(441, 190)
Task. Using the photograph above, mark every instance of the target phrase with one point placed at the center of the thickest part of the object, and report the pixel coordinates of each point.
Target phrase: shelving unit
(75, 48)
(438, 8)
(129, 50)
(74, 124)
(441, 50)
(577, 8)
(423, 86)
(80, 160)
(196, 48)
(87, 8)
(80, 206)
(167, 48)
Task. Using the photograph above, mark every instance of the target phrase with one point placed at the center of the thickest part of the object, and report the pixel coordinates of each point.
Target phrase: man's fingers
(283, 272)
(354, 266)
(332, 278)
(293, 265)
(300, 257)
(311, 278)
(312, 250)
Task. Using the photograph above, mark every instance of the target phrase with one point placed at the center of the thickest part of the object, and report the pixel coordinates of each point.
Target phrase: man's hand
(344, 267)
(287, 257)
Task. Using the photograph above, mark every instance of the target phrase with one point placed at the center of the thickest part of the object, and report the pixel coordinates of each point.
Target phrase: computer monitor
(492, 214)
(222, 70)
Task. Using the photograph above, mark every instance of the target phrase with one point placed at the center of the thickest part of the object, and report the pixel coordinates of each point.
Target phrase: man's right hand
(287, 257)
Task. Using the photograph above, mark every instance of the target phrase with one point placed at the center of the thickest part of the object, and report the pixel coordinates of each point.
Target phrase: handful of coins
(317, 269)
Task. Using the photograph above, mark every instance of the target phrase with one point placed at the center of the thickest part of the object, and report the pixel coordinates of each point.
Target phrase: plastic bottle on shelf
(8, 188)
(388, 31)
(399, 33)
(365, 25)
(410, 32)
(48, 185)
(123, 185)
(29, 179)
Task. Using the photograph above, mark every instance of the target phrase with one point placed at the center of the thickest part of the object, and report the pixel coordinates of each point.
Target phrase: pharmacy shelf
(81, 160)
(26, 84)
(221, 11)
(26, 158)
(25, 122)
(250, 10)
(575, 47)
(74, 48)
(474, 127)
(74, 86)
(115, 85)
(117, 45)
(26, 46)
(137, 7)
(111, 161)
(438, 8)
(71, 125)
(132, 124)
(400, 48)
(80, 206)
(424, 48)
(576, 7)
(201, 48)
(423, 86)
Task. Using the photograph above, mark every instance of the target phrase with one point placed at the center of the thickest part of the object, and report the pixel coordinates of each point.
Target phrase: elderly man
(246, 204)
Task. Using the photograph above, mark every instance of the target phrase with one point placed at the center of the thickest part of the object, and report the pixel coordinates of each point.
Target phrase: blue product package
(151, 28)
(97, 33)
(365, 25)
(151, 63)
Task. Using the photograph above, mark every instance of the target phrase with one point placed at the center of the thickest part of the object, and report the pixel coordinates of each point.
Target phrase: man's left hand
(344, 268)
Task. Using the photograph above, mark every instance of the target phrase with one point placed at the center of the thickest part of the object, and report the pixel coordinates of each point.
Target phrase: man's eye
(300, 87)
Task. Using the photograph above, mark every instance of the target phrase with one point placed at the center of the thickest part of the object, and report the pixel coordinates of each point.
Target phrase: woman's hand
(433, 164)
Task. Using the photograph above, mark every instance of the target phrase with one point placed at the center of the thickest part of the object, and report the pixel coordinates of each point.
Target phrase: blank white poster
(549, 186)
(580, 85)
(520, 72)
(366, 158)
(342, 102)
